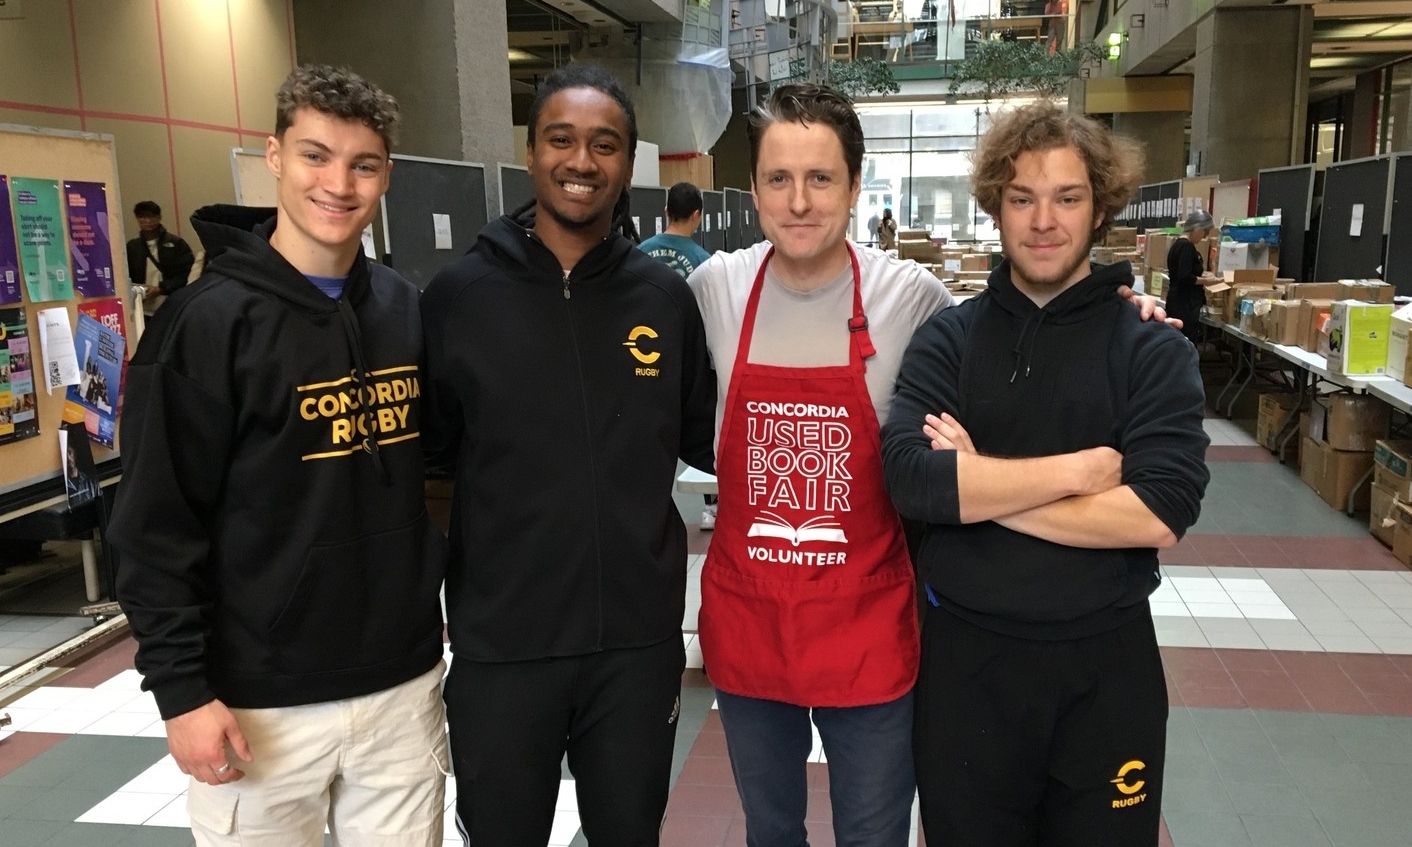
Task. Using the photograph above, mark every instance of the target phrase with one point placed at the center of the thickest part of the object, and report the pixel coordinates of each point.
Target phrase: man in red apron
(808, 609)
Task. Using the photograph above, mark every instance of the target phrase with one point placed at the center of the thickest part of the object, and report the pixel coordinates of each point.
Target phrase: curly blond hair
(1115, 163)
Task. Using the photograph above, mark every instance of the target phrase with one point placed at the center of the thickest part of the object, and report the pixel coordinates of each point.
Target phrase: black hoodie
(564, 401)
(1083, 371)
(269, 556)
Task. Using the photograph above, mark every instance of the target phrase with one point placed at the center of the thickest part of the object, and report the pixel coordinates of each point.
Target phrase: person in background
(278, 566)
(675, 249)
(1186, 296)
(567, 582)
(1051, 441)
(887, 231)
(157, 261)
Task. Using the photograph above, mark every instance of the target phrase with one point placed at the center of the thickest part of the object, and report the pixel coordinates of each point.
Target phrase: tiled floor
(1286, 630)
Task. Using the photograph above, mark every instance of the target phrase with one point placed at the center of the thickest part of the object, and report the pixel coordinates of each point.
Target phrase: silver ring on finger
(220, 771)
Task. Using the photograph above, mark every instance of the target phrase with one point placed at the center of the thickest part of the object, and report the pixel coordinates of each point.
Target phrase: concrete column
(1251, 84)
(1163, 134)
(1360, 125)
(444, 60)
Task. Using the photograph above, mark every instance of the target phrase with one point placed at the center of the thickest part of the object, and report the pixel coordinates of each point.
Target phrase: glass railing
(880, 30)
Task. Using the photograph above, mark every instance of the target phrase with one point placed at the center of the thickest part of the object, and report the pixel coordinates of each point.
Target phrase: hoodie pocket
(363, 602)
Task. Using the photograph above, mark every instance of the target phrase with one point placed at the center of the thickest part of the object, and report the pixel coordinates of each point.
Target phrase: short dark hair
(806, 103)
(683, 201)
(580, 75)
(1114, 162)
(146, 209)
(339, 92)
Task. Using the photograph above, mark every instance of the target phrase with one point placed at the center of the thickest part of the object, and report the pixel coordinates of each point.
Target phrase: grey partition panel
(750, 224)
(713, 216)
(1291, 191)
(421, 190)
(1398, 264)
(648, 206)
(733, 218)
(516, 188)
(1353, 190)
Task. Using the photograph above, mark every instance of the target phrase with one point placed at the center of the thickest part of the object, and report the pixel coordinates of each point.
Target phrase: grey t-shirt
(810, 329)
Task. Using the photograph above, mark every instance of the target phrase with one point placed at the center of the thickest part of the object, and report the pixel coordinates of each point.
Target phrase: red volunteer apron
(807, 594)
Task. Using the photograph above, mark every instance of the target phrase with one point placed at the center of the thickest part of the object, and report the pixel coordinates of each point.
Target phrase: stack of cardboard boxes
(1390, 495)
(1340, 434)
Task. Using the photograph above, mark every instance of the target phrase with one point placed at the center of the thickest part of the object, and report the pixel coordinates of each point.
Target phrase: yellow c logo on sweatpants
(1122, 781)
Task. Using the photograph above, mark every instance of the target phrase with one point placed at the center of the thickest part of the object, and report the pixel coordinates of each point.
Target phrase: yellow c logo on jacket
(1122, 781)
(631, 344)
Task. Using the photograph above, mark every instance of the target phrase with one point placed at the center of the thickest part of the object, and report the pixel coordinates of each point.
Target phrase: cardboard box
(1402, 533)
(1333, 473)
(1313, 323)
(1349, 421)
(1358, 337)
(1274, 410)
(1283, 323)
(1398, 333)
(1381, 517)
(1121, 236)
(1156, 249)
(1311, 291)
(1101, 255)
(1392, 467)
(1260, 278)
(1240, 293)
(975, 262)
(1236, 255)
(1367, 290)
(700, 171)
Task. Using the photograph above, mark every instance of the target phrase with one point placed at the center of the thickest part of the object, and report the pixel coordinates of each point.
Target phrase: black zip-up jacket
(1083, 371)
(269, 557)
(174, 259)
(563, 400)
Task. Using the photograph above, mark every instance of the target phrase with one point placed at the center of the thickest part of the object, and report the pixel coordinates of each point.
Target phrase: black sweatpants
(1025, 743)
(613, 713)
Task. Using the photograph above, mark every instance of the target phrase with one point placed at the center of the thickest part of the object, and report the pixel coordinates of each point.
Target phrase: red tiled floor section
(1282, 551)
(20, 747)
(1231, 453)
(88, 669)
(1282, 680)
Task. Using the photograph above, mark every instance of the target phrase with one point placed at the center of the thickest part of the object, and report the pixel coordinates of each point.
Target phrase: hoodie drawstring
(1020, 343)
(361, 381)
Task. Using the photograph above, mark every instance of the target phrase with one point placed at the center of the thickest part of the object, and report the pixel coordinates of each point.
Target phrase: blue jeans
(871, 779)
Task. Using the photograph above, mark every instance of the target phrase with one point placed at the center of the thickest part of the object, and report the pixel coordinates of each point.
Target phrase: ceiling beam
(1364, 9)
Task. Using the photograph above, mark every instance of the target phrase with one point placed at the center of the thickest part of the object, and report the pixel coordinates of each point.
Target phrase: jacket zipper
(566, 284)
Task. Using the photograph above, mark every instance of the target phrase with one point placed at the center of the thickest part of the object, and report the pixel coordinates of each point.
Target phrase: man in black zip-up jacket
(278, 566)
(1051, 441)
(568, 372)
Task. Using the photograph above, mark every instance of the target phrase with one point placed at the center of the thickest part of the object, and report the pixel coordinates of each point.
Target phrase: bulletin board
(1291, 192)
(254, 184)
(713, 216)
(733, 219)
(648, 207)
(1358, 191)
(1398, 266)
(1231, 200)
(516, 187)
(30, 468)
(420, 188)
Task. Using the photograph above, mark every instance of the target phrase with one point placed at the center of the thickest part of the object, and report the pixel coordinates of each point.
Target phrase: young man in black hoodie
(568, 372)
(1052, 441)
(279, 569)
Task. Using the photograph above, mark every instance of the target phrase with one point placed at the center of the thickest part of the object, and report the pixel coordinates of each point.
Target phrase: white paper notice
(60, 359)
(441, 225)
(1355, 224)
(368, 249)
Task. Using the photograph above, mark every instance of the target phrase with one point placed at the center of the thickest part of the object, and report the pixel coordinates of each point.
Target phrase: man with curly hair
(279, 569)
(1041, 706)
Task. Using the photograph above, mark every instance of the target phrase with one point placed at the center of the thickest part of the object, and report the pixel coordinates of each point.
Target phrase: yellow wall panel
(144, 168)
(25, 117)
(262, 59)
(1138, 94)
(197, 47)
(37, 57)
(118, 60)
(203, 167)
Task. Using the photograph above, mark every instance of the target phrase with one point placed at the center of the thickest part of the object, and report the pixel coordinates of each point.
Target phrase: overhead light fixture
(1115, 45)
(515, 54)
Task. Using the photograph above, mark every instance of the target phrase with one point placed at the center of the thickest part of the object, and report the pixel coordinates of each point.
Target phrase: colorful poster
(40, 222)
(90, 246)
(9, 250)
(18, 402)
(109, 313)
(100, 356)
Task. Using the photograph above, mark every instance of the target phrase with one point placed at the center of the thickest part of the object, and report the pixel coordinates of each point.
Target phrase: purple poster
(89, 244)
(9, 250)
